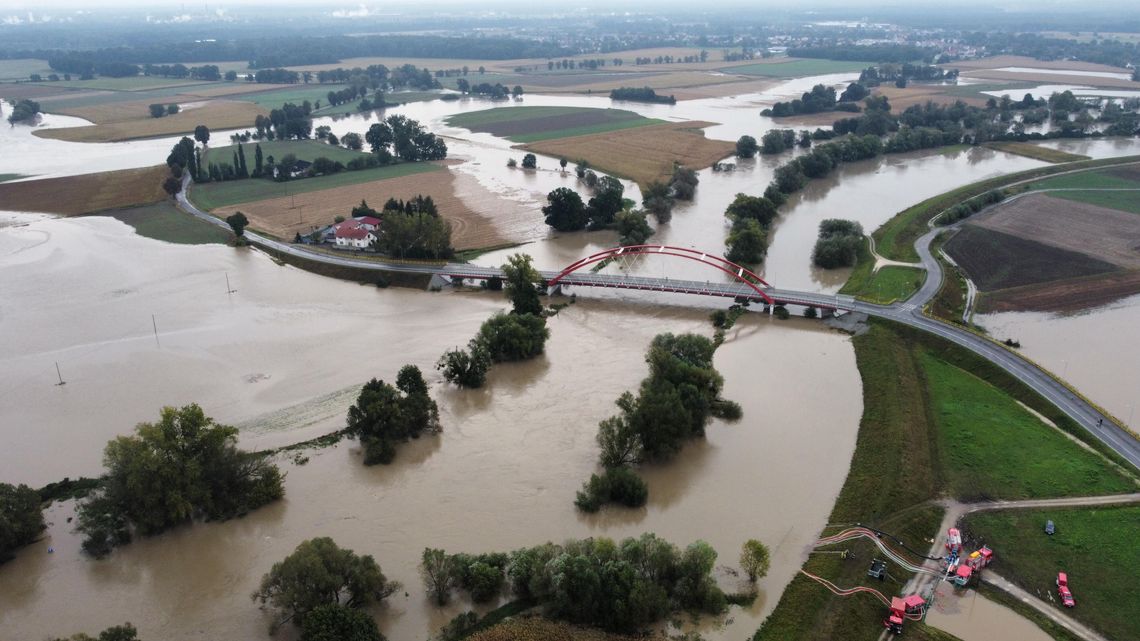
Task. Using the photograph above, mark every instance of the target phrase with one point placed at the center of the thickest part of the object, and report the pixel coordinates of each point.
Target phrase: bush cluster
(384, 415)
(838, 243)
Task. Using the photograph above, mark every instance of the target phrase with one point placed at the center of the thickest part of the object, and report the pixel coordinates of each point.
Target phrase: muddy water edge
(282, 358)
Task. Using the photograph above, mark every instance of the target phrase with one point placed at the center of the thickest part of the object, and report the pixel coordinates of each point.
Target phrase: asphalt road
(908, 312)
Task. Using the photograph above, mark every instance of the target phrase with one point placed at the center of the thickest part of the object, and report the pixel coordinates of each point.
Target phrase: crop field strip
(533, 124)
(997, 260)
(213, 195)
(302, 149)
(86, 193)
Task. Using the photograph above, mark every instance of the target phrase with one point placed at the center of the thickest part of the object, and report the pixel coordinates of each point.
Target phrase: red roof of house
(351, 223)
(353, 233)
(368, 220)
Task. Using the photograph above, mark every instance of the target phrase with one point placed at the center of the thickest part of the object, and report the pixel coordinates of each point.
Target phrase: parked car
(1063, 590)
(1049, 528)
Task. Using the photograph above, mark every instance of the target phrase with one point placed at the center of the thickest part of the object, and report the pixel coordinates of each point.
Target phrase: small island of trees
(643, 94)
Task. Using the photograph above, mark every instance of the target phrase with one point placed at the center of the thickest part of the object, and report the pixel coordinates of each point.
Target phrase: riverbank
(908, 454)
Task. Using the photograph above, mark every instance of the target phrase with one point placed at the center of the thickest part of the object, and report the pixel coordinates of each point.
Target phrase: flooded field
(971, 617)
(283, 358)
(135, 324)
(1097, 355)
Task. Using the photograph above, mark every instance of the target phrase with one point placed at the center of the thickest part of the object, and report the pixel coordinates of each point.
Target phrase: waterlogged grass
(1095, 546)
(163, 221)
(799, 68)
(303, 149)
(6, 177)
(992, 448)
(533, 124)
(213, 195)
(1030, 150)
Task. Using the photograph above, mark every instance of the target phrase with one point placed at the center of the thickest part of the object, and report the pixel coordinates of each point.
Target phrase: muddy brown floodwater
(1097, 351)
(972, 617)
(283, 357)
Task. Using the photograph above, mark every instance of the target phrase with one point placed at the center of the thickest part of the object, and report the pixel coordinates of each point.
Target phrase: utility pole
(61, 381)
(155, 325)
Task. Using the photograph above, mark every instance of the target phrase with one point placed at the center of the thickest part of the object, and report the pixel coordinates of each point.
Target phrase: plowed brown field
(302, 213)
(87, 193)
(1106, 234)
(643, 154)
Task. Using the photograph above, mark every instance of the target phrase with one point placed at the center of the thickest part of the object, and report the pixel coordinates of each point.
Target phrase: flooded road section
(284, 356)
(1097, 352)
(971, 617)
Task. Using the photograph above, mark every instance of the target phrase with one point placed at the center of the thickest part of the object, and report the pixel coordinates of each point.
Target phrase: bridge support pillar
(555, 291)
(439, 281)
(771, 310)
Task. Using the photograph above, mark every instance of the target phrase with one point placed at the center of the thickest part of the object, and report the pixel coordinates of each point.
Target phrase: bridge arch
(739, 272)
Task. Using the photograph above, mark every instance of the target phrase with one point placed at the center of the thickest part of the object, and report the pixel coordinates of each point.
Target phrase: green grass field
(799, 68)
(21, 68)
(163, 221)
(302, 149)
(992, 448)
(1106, 179)
(532, 124)
(1096, 546)
(131, 83)
(892, 283)
(213, 195)
(1122, 200)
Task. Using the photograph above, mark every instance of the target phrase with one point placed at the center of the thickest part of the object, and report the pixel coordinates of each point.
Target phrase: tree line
(292, 50)
(619, 586)
(643, 94)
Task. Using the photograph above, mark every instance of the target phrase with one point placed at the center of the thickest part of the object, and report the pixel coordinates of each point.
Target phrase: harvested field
(1063, 296)
(799, 67)
(131, 120)
(1044, 77)
(996, 62)
(13, 92)
(996, 260)
(1106, 234)
(643, 154)
(1030, 150)
(530, 124)
(286, 216)
(919, 94)
(87, 193)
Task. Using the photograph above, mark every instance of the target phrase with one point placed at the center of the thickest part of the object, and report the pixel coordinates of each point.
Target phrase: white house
(356, 236)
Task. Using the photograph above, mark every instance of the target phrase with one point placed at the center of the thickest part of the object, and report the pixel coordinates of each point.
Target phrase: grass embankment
(87, 193)
(163, 221)
(949, 303)
(532, 124)
(213, 195)
(1037, 152)
(308, 150)
(895, 238)
(992, 448)
(902, 461)
(799, 67)
(540, 629)
(1095, 546)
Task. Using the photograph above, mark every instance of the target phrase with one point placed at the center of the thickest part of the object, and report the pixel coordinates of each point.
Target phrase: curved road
(908, 312)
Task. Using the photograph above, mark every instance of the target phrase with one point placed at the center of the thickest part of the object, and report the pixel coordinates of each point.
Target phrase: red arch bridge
(744, 283)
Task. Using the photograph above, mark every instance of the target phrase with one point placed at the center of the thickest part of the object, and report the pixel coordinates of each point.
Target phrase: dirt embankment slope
(87, 193)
